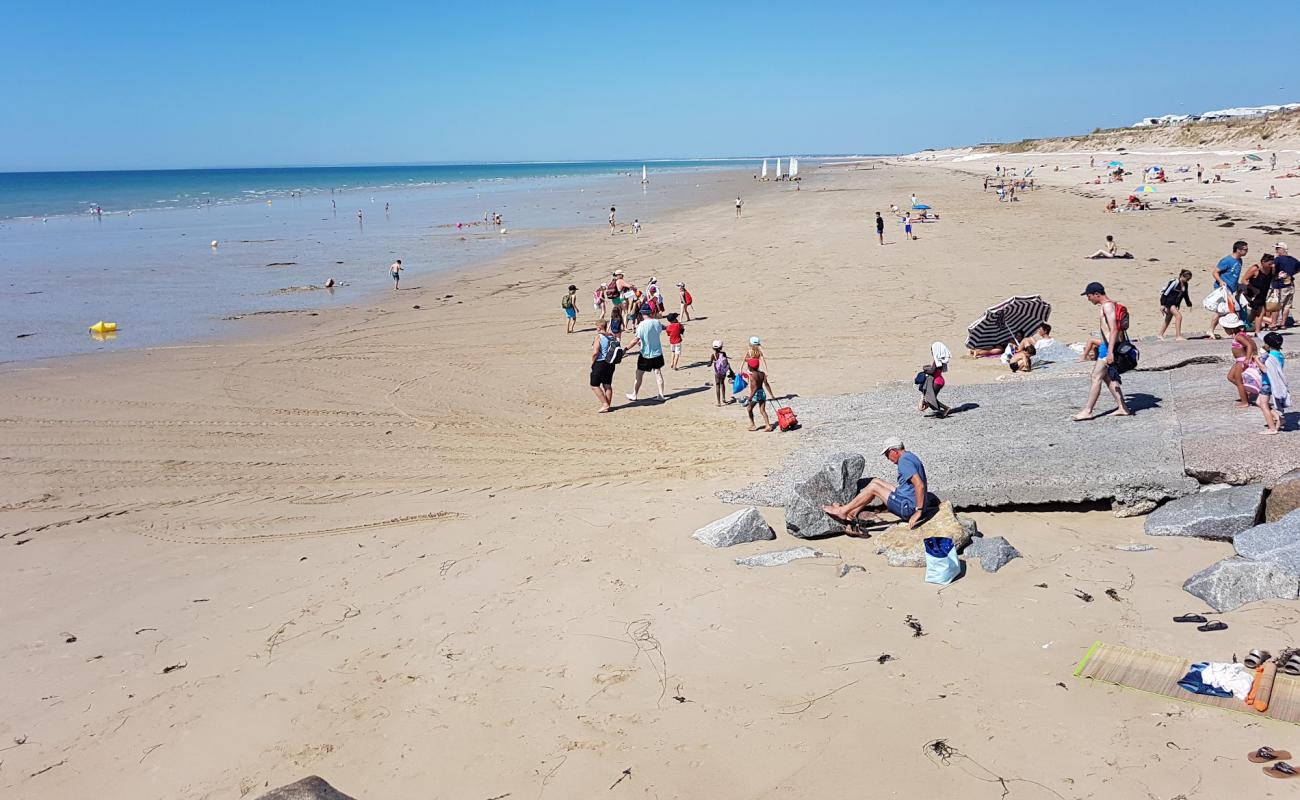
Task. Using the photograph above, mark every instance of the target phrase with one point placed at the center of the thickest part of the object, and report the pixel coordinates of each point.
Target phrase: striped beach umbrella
(1145, 188)
(1000, 324)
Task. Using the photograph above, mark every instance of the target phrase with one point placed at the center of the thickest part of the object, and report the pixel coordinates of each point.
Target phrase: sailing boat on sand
(644, 177)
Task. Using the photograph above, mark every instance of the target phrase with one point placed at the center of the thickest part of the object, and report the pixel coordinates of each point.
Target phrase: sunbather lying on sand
(1111, 250)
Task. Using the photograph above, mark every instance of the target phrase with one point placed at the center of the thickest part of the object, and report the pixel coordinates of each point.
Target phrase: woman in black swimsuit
(1255, 283)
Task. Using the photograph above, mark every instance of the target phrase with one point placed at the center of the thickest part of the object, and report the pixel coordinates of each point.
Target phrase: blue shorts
(1102, 350)
(571, 313)
(900, 506)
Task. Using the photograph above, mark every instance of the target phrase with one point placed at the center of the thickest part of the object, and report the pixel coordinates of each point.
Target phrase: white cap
(1280, 246)
(891, 443)
(717, 344)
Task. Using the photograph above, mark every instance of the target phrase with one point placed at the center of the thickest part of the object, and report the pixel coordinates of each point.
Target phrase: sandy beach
(393, 544)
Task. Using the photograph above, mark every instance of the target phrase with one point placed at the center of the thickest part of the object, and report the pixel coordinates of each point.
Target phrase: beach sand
(396, 547)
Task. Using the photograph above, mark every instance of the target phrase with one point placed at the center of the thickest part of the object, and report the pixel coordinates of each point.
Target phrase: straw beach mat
(1159, 674)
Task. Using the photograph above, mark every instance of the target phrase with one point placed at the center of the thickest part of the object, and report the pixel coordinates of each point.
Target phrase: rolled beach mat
(1265, 686)
(1254, 686)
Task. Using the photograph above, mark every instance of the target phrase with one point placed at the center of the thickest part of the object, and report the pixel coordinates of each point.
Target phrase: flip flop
(1266, 754)
(1255, 658)
(1212, 626)
(1197, 618)
(1281, 770)
(1292, 666)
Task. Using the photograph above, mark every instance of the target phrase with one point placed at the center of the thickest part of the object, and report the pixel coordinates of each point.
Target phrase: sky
(143, 85)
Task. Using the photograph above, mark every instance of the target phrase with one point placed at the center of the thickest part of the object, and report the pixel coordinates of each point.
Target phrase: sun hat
(681, 285)
(754, 340)
(717, 344)
(1280, 246)
(1093, 288)
(1230, 321)
(891, 443)
(618, 272)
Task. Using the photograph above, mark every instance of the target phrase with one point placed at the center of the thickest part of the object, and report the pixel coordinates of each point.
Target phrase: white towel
(1233, 678)
(941, 354)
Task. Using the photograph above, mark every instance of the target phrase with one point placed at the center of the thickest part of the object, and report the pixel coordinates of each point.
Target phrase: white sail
(644, 178)
(778, 167)
(794, 167)
(765, 169)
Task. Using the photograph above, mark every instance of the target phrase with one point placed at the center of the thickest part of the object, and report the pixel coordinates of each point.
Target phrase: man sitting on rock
(901, 500)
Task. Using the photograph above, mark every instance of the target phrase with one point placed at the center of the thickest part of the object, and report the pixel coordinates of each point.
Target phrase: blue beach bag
(942, 566)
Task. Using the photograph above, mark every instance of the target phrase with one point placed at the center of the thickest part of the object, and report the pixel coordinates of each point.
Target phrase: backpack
(1121, 318)
(1126, 356)
(611, 289)
(613, 352)
(567, 302)
(720, 365)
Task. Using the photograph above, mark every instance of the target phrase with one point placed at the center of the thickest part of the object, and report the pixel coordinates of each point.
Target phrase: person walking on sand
(931, 380)
(604, 350)
(739, 204)
(906, 499)
(598, 301)
(685, 301)
(1114, 327)
(1275, 391)
(880, 227)
(675, 331)
(1226, 275)
(1171, 297)
(611, 221)
(907, 228)
(395, 269)
(570, 305)
(650, 354)
(1198, 173)
(758, 393)
(721, 366)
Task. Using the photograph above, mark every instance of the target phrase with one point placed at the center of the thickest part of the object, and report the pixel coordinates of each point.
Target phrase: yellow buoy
(103, 327)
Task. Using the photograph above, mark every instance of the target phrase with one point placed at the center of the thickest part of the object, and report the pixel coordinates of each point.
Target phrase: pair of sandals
(1276, 761)
(1202, 624)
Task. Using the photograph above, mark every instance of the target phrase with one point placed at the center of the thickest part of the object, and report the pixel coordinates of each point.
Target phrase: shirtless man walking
(1104, 371)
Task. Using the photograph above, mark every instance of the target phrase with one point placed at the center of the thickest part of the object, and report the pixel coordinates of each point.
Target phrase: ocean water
(48, 194)
(146, 263)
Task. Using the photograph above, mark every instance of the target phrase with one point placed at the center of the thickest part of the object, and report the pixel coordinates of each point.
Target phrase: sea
(176, 256)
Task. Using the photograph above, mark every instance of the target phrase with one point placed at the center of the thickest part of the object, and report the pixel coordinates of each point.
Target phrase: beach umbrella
(1145, 188)
(920, 207)
(1000, 324)
(1253, 157)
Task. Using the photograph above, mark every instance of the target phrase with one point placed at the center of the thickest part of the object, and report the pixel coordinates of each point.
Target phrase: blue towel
(1193, 683)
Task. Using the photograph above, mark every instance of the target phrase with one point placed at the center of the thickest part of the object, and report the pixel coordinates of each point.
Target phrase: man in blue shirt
(1225, 276)
(650, 353)
(905, 500)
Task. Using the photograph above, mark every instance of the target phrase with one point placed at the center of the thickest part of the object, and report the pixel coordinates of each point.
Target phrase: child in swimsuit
(1243, 351)
(758, 389)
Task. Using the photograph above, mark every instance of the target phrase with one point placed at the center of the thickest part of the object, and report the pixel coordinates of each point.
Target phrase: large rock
(779, 558)
(1235, 581)
(310, 788)
(835, 483)
(1283, 496)
(1273, 542)
(993, 552)
(746, 525)
(1218, 514)
(903, 547)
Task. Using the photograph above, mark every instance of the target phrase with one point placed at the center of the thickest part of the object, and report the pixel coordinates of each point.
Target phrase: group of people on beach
(621, 305)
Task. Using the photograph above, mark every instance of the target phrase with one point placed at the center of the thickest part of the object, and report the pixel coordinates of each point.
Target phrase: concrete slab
(1012, 442)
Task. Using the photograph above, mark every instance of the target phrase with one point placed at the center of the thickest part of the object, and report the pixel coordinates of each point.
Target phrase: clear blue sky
(121, 85)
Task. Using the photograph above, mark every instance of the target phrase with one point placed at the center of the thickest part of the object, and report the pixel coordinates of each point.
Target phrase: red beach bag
(785, 419)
